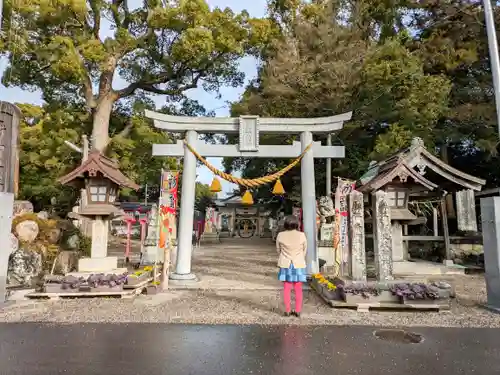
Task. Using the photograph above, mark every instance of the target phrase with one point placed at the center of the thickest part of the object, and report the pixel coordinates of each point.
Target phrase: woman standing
(291, 245)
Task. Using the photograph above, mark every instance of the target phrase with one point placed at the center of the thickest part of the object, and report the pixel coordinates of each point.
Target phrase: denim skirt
(292, 274)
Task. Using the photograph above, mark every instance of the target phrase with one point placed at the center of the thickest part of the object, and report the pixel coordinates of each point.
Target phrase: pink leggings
(287, 295)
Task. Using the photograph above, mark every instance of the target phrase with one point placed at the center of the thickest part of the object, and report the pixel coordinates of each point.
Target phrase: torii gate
(249, 128)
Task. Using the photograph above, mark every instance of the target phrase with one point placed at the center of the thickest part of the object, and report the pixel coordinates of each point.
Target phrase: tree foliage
(405, 68)
(72, 50)
(203, 197)
(45, 157)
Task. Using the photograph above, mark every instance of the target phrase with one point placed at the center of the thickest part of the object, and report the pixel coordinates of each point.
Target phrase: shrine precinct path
(235, 263)
(238, 285)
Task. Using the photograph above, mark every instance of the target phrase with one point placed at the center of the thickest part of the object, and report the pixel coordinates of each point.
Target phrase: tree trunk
(100, 126)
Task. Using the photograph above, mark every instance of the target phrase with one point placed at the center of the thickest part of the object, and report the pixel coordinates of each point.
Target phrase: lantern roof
(98, 163)
(413, 162)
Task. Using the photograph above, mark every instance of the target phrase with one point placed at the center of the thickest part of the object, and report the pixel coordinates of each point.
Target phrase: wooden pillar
(446, 232)
(435, 222)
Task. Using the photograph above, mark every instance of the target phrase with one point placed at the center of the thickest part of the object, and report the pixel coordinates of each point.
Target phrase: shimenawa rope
(248, 183)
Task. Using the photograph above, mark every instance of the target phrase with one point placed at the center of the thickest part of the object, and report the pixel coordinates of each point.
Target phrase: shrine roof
(233, 199)
(97, 162)
(412, 162)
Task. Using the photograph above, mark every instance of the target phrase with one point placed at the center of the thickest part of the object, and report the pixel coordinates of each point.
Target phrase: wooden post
(129, 220)
(143, 221)
(435, 221)
(446, 232)
(166, 264)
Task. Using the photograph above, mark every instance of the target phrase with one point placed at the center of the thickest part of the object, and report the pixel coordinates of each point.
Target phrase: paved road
(133, 349)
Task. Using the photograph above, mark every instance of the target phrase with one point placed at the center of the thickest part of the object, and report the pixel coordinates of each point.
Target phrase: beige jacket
(292, 247)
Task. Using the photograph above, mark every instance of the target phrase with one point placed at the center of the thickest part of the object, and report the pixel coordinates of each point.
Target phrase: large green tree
(45, 157)
(325, 64)
(73, 51)
(452, 41)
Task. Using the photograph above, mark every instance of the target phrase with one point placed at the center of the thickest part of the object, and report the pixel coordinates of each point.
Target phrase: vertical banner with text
(168, 206)
(340, 238)
(210, 220)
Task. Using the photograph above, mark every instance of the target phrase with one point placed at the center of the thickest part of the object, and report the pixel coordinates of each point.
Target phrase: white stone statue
(326, 209)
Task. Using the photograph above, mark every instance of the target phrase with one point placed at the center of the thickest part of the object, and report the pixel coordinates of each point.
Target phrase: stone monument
(7, 206)
(466, 210)
(152, 252)
(357, 236)
(382, 237)
(10, 117)
(490, 220)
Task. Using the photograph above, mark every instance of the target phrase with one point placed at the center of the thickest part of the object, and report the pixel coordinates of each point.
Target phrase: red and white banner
(168, 205)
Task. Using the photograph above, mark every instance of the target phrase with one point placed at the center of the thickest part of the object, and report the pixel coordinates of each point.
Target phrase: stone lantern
(101, 179)
(413, 172)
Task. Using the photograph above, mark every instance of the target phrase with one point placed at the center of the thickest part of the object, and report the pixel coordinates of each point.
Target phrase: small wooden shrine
(415, 172)
(101, 179)
(238, 218)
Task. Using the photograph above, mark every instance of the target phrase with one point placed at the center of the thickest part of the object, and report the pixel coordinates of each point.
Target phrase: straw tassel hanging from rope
(247, 198)
(278, 188)
(215, 186)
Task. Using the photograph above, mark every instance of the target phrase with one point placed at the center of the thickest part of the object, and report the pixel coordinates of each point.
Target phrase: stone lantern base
(98, 265)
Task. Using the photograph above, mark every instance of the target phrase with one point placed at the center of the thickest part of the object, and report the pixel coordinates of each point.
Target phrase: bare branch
(126, 131)
(97, 19)
(127, 18)
(150, 86)
(155, 90)
(88, 93)
(106, 78)
(116, 14)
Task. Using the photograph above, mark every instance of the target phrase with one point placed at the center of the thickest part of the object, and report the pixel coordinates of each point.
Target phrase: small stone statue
(326, 209)
(23, 266)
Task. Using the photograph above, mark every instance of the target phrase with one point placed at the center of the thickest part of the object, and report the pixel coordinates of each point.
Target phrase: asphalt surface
(133, 349)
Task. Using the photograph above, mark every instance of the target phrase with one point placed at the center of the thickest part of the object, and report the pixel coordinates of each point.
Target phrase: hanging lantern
(278, 188)
(247, 198)
(215, 186)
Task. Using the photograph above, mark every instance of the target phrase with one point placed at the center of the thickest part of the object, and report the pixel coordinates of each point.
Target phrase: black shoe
(286, 314)
(296, 314)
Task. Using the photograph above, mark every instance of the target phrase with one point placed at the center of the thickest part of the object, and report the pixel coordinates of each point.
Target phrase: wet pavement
(132, 349)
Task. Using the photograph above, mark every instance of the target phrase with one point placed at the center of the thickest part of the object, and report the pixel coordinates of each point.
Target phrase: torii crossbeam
(248, 128)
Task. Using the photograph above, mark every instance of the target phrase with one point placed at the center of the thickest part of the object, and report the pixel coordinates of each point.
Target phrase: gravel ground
(249, 307)
(238, 286)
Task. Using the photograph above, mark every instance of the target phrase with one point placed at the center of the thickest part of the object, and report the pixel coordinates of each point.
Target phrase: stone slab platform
(130, 293)
(366, 307)
(421, 267)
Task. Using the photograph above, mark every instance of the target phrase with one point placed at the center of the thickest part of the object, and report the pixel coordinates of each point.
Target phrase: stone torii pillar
(248, 128)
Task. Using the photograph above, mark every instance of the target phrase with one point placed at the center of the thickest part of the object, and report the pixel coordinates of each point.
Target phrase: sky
(248, 65)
